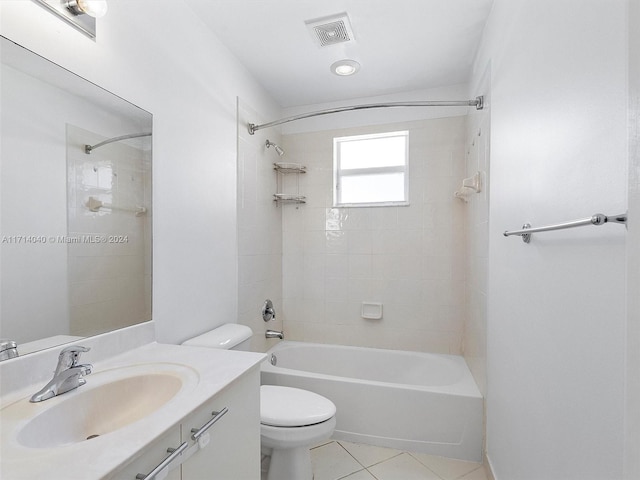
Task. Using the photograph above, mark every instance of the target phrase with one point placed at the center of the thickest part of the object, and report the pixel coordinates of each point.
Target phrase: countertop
(210, 371)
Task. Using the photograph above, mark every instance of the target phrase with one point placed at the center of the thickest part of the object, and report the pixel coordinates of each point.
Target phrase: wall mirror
(75, 222)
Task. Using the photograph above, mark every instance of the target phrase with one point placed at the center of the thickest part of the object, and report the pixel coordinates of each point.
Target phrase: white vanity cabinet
(153, 455)
(232, 449)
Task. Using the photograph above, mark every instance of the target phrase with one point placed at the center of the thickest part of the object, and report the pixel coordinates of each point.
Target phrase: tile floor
(339, 460)
(351, 461)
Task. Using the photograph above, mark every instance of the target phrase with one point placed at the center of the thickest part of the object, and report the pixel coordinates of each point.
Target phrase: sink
(110, 400)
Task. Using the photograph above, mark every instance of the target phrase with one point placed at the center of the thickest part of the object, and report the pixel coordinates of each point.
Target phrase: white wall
(556, 307)
(632, 418)
(158, 55)
(378, 116)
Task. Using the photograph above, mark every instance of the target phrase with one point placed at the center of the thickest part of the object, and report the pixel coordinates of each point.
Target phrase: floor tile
(479, 474)
(402, 467)
(447, 468)
(361, 475)
(369, 455)
(331, 462)
(321, 443)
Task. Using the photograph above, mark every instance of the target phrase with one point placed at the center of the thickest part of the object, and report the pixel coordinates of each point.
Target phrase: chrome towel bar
(196, 433)
(597, 219)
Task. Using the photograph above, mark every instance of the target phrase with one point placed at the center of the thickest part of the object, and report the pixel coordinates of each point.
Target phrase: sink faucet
(68, 374)
(8, 349)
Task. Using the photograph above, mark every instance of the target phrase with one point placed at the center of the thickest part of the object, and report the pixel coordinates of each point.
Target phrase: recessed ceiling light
(345, 67)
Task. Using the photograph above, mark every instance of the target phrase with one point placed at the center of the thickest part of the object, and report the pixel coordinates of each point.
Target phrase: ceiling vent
(330, 30)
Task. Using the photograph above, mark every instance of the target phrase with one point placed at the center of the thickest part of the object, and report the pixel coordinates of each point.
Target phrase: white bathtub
(412, 401)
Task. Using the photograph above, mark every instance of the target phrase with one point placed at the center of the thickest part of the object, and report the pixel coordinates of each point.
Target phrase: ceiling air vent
(330, 30)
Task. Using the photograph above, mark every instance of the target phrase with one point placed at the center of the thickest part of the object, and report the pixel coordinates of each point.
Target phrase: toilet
(291, 419)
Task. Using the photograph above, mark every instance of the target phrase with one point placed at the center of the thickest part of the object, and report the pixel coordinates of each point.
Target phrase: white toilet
(291, 419)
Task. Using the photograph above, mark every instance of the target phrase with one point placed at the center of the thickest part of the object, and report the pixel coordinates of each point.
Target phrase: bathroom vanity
(176, 412)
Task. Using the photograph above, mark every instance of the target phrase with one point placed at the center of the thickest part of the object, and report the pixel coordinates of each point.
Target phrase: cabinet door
(233, 451)
(152, 456)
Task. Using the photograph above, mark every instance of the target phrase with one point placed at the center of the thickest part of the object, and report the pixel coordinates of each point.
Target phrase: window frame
(339, 173)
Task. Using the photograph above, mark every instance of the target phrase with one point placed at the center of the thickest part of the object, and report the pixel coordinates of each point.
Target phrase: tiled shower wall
(409, 258)
(477, 249)
(259, 229)
(109, 250)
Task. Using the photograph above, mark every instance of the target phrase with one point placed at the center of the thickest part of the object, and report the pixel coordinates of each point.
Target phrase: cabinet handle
(197, 432)
(174, 453)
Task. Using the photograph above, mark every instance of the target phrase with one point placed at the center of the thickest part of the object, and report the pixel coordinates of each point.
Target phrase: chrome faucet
(274, 334)
(8, 349)
(68, 374)
(268, 312)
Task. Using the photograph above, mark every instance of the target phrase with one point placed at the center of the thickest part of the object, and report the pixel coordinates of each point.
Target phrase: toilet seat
(293, 407)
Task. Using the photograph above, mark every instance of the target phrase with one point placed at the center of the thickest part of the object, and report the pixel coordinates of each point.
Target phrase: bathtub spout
(274, 334)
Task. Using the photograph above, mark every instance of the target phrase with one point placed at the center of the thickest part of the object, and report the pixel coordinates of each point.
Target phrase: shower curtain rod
(478, 103)
(89, 148)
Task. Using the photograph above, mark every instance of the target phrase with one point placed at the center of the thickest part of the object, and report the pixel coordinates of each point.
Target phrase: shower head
(278, 150)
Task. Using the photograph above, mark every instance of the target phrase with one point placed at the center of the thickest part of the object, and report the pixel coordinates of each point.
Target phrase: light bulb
(93, 8)
(345, 67)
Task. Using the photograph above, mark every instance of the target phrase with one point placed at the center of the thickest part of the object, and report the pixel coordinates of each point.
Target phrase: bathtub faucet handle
(268, 312)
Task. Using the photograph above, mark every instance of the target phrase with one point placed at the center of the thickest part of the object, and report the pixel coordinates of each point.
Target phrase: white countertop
(210, 371)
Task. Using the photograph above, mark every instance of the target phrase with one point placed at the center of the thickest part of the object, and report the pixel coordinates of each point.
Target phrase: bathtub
(413, 401)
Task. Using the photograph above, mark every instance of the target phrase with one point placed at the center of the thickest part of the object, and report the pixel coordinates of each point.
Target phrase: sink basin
(110, 400)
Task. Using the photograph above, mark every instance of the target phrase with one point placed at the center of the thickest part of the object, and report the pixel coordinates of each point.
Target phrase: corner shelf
(285, 169)
(288, 168)
(288, 198)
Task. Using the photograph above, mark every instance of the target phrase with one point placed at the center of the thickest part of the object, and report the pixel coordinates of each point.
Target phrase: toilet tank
(230, 336)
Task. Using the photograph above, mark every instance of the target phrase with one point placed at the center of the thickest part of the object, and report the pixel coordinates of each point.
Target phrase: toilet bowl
(291, 419)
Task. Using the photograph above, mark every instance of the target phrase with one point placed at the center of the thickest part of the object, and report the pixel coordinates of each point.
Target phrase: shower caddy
(284, 170)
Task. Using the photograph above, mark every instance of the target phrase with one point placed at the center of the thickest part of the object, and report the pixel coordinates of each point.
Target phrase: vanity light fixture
(345, 67)
(80, 14)
(93, 8)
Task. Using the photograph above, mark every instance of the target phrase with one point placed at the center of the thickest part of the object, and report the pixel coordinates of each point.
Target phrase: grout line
(479, 465)
(322, 444)
(425, 465)
(471, 471)
(371, 473)
(385, 460)
(347, 476)
(366, 467)
(357, 461)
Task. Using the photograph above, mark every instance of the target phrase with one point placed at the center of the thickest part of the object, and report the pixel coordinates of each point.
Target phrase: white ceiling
(402, 45)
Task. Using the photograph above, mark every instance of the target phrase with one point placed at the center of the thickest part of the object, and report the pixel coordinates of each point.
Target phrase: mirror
(75, 227)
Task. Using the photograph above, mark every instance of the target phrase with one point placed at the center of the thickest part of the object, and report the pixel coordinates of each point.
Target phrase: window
(371, 170)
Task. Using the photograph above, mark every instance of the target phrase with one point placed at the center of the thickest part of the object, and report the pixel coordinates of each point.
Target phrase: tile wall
(109, 250)
(410, 258)
(476, 224)
(259, 229)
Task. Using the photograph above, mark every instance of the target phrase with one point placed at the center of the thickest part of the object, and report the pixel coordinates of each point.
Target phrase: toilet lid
(293, 407)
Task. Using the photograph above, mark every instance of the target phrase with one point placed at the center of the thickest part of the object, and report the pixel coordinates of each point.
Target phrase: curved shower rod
(478, 103)
(89, 148)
